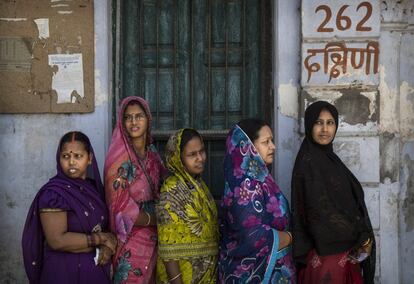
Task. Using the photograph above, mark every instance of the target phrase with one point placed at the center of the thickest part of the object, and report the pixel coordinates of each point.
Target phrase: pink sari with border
(127, 192)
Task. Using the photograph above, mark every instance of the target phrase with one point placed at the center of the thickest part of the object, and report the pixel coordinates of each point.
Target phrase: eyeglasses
(135, 116)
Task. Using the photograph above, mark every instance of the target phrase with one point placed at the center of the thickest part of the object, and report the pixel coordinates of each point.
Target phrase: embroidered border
(189, 250)
(44, 210)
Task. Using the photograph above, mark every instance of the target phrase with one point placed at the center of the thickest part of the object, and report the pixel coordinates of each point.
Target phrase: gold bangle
(290, 237)
(149, 218)
(367, 242)
(175, 277)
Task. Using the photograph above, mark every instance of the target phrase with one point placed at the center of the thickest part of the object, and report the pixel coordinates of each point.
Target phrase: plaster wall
(286, 70)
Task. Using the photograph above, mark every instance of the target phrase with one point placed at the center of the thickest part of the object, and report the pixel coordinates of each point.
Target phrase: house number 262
(344, 22)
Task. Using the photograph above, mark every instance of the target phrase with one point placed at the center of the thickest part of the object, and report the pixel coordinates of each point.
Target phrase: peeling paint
(407, 109)
(308, 96)
(355, 108)
(389, 120)
(288, 97)
(408, 201)
(101, 96)
(65, 12)
(13, 19)
(42, 27)
(389, 153)
(59, 5)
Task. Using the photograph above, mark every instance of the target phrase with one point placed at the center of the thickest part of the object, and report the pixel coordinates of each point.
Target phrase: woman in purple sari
(66, 223)
(255, 244)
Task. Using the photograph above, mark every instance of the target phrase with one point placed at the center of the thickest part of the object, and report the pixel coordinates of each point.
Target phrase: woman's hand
(368, 248)
(173, 272)
(360, 254)
(104, 255)
(107, 239)
(146, 219)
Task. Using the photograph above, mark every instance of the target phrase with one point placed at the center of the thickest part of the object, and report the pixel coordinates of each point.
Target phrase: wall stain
(10, 202)
(354, 107)
(408, 202)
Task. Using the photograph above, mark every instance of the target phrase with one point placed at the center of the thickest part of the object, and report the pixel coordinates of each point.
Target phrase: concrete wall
(28, 146)
(396, 146)
(286, 70)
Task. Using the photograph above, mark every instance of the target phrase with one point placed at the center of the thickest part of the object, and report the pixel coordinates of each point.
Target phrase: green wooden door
(203, 64)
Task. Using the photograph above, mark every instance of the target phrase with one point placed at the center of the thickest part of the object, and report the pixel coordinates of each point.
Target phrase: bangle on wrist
(367, 242)
(149, 218)
(90, 241)
(290, 237)
(175, 277)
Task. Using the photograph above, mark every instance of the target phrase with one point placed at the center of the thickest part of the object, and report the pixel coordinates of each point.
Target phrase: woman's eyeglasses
(135, 116)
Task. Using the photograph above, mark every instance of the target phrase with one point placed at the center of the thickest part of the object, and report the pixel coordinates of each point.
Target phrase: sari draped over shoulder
(187, 222)
(84, 203)
(253, 209)
(132, 185)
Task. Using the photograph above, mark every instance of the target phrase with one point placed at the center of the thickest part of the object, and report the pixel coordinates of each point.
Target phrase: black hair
(75, 136)
(252, 126)
(187, 135)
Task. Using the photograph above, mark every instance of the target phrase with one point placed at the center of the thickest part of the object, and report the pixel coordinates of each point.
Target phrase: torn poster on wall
(67, 81)
(47, 56)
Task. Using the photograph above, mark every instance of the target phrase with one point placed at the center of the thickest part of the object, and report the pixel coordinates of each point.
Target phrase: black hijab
(328, 207)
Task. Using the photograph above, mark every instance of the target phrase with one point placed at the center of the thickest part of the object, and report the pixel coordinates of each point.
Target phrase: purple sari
(84, 202)
(253, 209)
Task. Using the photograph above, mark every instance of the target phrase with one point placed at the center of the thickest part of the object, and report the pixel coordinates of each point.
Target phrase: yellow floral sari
(186, 222)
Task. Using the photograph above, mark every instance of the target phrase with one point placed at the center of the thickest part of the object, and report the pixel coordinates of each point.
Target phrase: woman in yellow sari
(186, 215)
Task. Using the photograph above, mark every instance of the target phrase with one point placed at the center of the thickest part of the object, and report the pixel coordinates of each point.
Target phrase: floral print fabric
(128, 191)
(187, 222)
(253, 209)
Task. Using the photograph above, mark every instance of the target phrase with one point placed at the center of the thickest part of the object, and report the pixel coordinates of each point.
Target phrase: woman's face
(264, 144)
(135, 122)
(74, 159)
(193, 156)
(324, 129)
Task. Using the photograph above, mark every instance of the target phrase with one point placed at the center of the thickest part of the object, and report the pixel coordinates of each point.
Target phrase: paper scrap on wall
(67, 81)
(43, 27)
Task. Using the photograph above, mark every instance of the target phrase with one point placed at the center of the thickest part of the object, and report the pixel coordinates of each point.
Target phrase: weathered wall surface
(397, 132)
(286, 69)
(398, 83)
(28, 147)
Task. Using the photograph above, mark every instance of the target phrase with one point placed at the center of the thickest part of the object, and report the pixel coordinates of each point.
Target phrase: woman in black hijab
(332, 232)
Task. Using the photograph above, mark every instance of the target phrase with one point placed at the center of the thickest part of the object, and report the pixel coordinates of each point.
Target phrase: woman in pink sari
(133, 171)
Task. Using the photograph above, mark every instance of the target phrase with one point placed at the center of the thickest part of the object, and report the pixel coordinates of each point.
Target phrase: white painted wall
(286, 88)
(28, 144)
